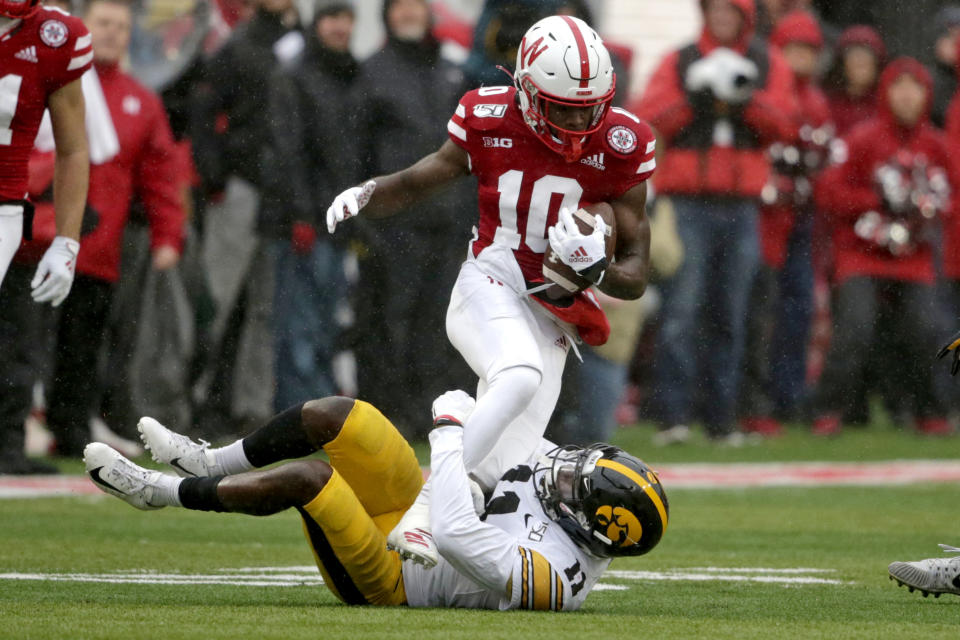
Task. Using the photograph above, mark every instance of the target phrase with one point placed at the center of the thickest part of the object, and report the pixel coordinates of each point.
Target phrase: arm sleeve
(664, 103)
(456, 127)
(480, 551)
(160, 180)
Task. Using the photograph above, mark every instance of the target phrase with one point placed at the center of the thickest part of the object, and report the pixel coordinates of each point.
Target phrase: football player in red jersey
(540, 149)
(44, 51)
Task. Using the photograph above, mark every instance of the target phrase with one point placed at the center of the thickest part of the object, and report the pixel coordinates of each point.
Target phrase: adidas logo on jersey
(29, 54)
(595, 161)
(579, 256)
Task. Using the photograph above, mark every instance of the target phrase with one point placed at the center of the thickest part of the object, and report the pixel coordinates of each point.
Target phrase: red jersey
(523, 184)
(37, 56)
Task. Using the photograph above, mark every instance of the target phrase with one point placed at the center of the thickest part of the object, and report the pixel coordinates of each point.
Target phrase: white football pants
(11, 230)
(518, 352)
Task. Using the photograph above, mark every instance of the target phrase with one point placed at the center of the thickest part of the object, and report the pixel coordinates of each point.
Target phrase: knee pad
(521, 381)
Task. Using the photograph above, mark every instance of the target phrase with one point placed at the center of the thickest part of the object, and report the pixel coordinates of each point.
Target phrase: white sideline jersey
(511, 557)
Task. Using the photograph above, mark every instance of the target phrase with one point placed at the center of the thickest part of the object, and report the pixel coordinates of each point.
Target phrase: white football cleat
(412, 538)
(188, 458)
(114, 474)
(934, 575)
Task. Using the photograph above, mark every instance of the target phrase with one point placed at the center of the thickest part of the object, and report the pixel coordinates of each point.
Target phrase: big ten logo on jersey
(498, 143)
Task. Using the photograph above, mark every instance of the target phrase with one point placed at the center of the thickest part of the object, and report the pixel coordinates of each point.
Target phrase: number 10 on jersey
(510, 185)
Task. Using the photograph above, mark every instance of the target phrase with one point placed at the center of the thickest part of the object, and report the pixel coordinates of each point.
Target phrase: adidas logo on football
(595, 161)
(579, 256)
(29, 54)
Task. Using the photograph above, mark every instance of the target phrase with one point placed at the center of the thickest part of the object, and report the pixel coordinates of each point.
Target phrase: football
(566, 281)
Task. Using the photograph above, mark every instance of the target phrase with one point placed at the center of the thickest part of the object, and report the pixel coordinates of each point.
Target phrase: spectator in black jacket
(311, 154)
(944, 69)
(407, 93)
(229, 130)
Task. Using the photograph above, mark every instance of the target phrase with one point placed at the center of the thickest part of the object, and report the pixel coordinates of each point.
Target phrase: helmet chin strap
(573, 150)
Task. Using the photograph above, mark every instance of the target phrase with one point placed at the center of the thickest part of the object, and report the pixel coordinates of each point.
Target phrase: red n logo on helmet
(533, 51)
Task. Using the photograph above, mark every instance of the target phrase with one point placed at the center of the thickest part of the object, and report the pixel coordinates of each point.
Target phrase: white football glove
(733, 77)
(348, 204)
(479, 500)
(54, 275)
(576, 250)
(453, 407)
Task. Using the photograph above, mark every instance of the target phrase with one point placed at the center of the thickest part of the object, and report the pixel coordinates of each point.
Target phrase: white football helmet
(562, 61)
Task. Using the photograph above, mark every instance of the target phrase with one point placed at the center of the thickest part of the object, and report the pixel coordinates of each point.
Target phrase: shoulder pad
(628, 135)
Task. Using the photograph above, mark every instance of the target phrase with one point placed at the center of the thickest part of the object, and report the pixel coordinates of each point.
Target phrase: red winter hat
(797, 27)
(865, 36)
(897, 68)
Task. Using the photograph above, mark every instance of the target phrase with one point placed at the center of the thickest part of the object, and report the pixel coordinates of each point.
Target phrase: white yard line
(299, 576)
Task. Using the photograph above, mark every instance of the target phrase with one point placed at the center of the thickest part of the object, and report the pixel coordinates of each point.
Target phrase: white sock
(231, 459)
(167, 490)
(508, 393)
(423, 498)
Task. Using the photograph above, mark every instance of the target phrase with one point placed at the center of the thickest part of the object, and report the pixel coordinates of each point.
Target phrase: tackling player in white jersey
(540, 150)
(541, 542)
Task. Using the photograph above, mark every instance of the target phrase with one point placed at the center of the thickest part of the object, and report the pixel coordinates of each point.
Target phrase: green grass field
(842, 537)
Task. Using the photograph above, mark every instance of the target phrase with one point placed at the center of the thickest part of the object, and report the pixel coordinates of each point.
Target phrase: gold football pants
(376, 477)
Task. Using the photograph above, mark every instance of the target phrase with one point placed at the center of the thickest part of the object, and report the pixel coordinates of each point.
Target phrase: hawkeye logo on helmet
(531, 53)
(622, 527)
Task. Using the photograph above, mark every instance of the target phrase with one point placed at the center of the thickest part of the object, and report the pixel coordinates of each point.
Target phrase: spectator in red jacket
(853, 82)
(132, 157)
(884, 202)
(781, 301)
(717, 105)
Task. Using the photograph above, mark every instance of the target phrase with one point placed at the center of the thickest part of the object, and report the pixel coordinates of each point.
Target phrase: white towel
(101, 134)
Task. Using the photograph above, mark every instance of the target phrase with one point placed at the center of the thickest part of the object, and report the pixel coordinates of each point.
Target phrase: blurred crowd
(804, 241)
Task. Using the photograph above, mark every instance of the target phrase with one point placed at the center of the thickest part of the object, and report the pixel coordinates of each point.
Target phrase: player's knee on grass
(322, 419)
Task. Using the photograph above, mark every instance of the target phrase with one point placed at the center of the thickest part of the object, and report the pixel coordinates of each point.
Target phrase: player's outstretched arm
(627, 277)
(394, 192)
(72, 162)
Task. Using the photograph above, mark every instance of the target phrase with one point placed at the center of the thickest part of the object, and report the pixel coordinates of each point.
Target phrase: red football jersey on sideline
(38, 56)
(523, 184)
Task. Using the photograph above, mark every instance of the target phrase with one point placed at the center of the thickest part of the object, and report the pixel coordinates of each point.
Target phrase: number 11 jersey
(523, 184)
(38, 55)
